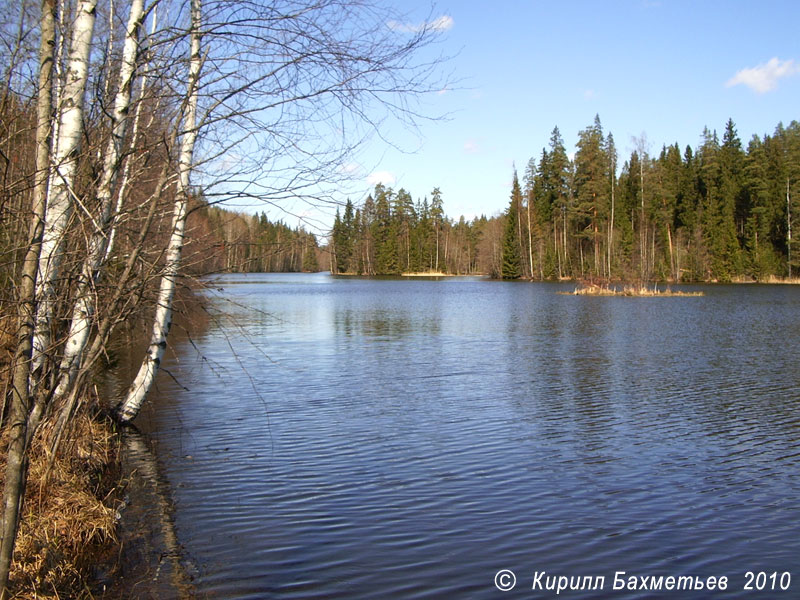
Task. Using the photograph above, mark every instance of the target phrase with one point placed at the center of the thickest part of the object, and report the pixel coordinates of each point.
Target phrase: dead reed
(638, 291)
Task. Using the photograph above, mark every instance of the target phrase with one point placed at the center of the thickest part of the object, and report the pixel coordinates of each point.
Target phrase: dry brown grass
(7, 323)
(786, 280)
(69, 515)
(638, 291)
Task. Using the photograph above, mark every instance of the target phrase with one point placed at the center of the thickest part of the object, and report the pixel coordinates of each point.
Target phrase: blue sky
(663, 68)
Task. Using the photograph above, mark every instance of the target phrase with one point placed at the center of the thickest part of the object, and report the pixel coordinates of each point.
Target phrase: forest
(227, 241)
(718, 212)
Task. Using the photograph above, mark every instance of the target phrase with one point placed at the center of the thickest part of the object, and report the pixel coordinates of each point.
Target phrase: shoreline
(771, 280)
(149, 561)
(436, 274)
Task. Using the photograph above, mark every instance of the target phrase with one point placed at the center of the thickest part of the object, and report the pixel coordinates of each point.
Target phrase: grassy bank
(68, 524)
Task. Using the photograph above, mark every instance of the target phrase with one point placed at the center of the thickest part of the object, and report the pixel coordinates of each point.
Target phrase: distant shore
(432, 274)
(414, 274)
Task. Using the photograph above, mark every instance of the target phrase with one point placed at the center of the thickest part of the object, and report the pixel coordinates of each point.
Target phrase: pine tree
(759, 258)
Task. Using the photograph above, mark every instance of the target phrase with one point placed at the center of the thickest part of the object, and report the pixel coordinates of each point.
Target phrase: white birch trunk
(130, 406)
(123, 186)
(530, 238)
(642, 228)
(671, 253)
(84, 307)
(436, 268)
(611, 222)
(59, 205)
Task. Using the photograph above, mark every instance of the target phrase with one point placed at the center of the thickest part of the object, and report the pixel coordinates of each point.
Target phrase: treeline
(392, 234)
(388, 235)
(720, 212)
(229, 241)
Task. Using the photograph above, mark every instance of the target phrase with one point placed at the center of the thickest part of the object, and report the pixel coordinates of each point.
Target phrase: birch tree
(130, 406)
(84, 297)
(62, 188)
(20, 398)
(286, 94)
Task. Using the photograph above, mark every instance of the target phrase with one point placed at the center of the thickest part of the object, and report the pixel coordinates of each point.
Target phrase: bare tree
(62, 183)
(20, 397)
(84, 296)
(130, 406)
(287, 92)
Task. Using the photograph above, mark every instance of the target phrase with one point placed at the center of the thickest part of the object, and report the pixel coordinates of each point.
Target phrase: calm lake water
(353, 438)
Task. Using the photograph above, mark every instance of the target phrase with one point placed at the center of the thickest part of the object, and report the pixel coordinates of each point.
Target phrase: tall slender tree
(20, 396)
(129, 407)
(511, 266)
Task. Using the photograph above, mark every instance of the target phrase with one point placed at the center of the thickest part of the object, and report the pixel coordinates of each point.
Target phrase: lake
(350, 438)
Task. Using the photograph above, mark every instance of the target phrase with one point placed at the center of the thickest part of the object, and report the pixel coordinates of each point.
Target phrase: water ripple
(408, 439)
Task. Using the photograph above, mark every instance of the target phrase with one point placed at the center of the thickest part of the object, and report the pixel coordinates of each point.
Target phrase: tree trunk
(530, 239)
(132, 403)
(125, 180)
(555, 243)
(65, 159)
(84, 296)
(19, 398)
(788, 229)
(611, 222)
(642, 227)
(671, 253)
(436, 267)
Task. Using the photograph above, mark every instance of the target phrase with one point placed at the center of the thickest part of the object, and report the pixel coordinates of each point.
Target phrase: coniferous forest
(723, 211)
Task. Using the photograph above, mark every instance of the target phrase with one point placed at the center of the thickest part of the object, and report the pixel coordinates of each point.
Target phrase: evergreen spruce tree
(591, 188)
(511, 267)
(310, 264)
(725, 245)
(336, 240)
(385, 233)
(344, 249)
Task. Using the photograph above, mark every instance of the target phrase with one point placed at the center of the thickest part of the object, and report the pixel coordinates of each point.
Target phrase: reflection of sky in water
(412, 437)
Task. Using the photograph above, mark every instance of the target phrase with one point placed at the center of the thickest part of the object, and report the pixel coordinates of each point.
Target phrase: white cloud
(764, 78)
(443, 23)
(384, 177)
(351, 168)
(471, 147)
(589, 94)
